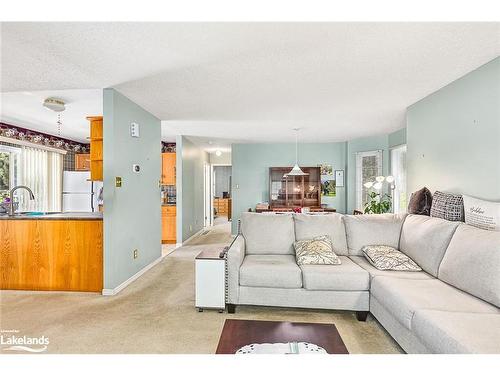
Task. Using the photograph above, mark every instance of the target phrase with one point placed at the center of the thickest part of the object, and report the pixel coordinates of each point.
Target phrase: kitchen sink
(37, 213)
(32, 213)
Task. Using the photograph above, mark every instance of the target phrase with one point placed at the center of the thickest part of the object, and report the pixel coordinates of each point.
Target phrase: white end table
(210, 280)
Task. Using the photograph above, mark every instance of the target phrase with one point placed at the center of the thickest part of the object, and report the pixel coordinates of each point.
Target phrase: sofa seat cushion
(332, 224)
(268, 234)
(363, 263)
(472, 263)
(405, 296)
(347, 276)
(425, 239)
(362, 230)
(270, 271)
(458, 332)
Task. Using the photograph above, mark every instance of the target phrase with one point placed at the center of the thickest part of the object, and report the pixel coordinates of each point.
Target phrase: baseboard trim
(131, 279)
(193, 236)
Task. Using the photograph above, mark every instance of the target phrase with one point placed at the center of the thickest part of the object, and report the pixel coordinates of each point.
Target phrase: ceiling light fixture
(54, 104)
(218, 152)
(296, 171)
(58, 106)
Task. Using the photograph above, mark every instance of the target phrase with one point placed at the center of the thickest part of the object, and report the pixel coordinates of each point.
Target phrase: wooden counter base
(64, 255)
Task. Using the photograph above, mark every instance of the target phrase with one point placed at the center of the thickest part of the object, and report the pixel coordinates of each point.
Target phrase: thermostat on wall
(134, 129)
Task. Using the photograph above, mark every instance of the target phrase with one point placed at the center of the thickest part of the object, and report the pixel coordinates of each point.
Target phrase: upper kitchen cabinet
(96, 149)
(168, 169)
(82, 162)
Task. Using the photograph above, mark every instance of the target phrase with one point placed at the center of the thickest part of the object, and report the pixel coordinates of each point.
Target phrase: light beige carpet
(156, 314)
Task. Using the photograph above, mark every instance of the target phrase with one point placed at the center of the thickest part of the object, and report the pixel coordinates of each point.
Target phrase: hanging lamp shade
(296, 171)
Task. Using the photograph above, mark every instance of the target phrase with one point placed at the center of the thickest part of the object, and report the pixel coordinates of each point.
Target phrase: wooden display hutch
(286, 192)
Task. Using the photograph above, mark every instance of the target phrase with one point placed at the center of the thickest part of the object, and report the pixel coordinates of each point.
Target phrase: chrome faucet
(11, 205)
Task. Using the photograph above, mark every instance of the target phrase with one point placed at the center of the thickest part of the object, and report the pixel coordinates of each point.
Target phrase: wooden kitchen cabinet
(169, 224)
(45, 254)
(82, 162)
(168, 169)
(96, 148)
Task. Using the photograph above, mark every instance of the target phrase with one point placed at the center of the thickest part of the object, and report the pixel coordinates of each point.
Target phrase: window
(368, 166)
(8, 166)
(41, 171)
(398, 170)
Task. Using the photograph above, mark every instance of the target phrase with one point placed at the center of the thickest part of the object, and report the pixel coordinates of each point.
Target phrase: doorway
(222, 201)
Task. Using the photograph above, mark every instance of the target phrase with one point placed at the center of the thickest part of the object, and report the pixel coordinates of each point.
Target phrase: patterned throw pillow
(447, 206)
(388, 258)
(482, 214)
(318, 250)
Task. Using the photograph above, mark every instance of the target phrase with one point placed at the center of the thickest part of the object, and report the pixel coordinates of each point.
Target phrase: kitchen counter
(61, 251)
(56, 216)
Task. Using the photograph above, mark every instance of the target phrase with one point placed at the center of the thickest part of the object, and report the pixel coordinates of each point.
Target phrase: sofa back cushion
(425, 239)
(472, 263)
(268, 234)
(311, 226)
(363, 230)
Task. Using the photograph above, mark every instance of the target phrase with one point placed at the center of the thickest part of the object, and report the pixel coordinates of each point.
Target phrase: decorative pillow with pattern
(388, 258)
(447, 206)
(482, 214)
(318, 250)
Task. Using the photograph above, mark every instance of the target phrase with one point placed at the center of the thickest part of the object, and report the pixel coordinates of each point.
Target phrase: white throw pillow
(318, 250)
(482, 214)
(387, 258)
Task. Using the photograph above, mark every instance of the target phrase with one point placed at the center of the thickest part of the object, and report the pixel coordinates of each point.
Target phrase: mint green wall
(454, 136)
(379, 142)
(397, 138)
(190, 189)
(250, 170)
(132, 218)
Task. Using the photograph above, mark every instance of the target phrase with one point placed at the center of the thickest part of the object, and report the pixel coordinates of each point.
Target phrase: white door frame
(207, 195)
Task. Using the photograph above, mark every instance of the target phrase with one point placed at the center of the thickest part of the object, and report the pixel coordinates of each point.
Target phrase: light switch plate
(118, 181)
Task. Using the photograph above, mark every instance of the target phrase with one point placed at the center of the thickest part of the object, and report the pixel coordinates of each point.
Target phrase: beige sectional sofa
(451, 306)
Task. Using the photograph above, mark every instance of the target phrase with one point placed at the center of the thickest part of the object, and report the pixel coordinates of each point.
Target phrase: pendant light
(296, 171)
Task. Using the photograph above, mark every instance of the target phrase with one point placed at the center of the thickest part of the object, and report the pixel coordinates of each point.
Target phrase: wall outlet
(136, 253)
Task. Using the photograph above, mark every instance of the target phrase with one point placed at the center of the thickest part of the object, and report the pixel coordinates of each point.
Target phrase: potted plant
(378, 204)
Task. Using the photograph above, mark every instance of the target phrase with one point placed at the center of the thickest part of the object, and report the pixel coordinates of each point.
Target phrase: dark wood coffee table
(237, 333)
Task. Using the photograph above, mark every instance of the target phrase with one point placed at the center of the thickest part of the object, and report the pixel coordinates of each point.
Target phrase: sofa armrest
(235, 256)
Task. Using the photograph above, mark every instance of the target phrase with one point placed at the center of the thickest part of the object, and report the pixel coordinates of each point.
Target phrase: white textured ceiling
(252, 82)
(25, 109)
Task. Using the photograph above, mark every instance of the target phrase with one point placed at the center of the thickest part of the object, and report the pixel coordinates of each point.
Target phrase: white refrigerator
(79, 193)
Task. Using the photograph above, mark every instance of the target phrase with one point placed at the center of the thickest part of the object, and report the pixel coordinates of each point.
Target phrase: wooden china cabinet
(294, 191)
